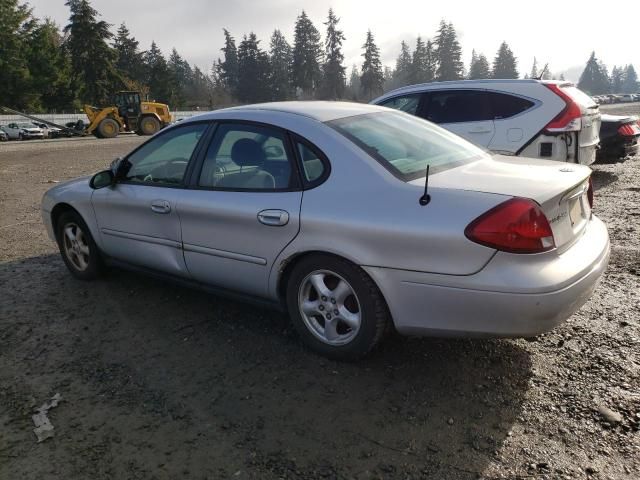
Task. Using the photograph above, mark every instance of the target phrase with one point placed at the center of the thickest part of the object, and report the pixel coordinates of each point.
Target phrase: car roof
(487, 83)
(322, 111)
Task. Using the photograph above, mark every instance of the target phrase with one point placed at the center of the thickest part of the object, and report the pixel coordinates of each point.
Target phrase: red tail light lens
(517, 226)
(629, 130)
(570, 118)
(590, 193)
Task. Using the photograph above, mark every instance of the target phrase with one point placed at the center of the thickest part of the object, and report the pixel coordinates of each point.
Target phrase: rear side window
(406, 103)
(456, 106)
(312, 165)
(506, 106)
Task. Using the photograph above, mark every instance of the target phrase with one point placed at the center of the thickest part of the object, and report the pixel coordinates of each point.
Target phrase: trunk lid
(560, 189)
(589, 134)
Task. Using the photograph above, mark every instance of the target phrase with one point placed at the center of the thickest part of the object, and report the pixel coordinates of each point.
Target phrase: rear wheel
(149, 126)
(108, 128)
(336, 308)
(77, 247)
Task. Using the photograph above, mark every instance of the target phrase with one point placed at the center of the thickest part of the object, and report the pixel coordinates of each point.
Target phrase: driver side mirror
(102, 179)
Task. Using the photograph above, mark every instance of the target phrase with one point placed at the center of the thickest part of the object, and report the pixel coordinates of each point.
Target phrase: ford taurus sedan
(354, 218)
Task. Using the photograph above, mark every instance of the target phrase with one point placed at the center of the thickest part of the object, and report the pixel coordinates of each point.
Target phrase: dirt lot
(160, 382)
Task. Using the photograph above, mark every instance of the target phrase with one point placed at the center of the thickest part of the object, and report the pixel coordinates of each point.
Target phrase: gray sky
(559, 33)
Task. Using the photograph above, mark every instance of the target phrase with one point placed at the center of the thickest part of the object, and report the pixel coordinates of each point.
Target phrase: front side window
(405, 103)
(455, 106)
(247, 157)
(405, 145)
(163, 160)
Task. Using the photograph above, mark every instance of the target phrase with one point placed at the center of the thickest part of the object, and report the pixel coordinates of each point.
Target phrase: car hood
(540, 180)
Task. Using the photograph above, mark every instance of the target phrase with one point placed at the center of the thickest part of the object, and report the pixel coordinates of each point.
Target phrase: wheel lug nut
(333, 300)
(335, 312)
(328, 316)
(321, 308)
(324, 299)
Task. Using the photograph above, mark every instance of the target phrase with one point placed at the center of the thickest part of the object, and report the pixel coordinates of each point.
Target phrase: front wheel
(336, 307)
(77, 247)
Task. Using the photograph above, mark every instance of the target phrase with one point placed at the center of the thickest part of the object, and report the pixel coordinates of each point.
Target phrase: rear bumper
(510, 297)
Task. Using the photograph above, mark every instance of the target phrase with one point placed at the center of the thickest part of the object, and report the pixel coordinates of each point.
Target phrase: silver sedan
(352, 217)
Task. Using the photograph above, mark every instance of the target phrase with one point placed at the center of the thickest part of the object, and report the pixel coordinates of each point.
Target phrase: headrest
(247, 152)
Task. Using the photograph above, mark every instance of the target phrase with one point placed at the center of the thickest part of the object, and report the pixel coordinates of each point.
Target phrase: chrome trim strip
(224, 254)
(142, 238)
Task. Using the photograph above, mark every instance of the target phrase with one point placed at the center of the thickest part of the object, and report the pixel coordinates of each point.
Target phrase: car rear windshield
(405, 144)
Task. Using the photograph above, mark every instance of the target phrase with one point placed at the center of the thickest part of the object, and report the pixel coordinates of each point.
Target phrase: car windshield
(405, 144)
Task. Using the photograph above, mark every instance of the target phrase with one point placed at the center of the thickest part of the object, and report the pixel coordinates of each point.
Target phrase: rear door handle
(160, 206)
(273, 218)
(480, 130)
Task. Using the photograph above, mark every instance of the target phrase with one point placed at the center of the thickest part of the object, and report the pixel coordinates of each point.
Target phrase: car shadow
(225, 387)
(602, 178)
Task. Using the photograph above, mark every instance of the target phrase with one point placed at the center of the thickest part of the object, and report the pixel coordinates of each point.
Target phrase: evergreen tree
(253, 71)
(617, 79)
(229, 66)
(128, 56)
(15, 27)
(387, 76)
(49, 68)
(479, 67)
(91, 57)
(281, 59)
(372, 78)
(353, 85)
(157, 75)
(630, 84)
(307, 53)
(448, 53)
(534, 69)
(594, 80)
(402, 72)
(180, 77)
(334, 76)
(504, 65)
(423, 64)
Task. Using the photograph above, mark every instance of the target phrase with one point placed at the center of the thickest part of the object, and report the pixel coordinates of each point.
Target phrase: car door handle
(160, 206)
(273, 218)
(480, 130)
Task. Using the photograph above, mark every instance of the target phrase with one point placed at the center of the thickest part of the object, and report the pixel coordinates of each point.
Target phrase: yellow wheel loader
(129, 114)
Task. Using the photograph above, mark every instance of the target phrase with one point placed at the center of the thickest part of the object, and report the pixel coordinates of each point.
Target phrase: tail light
(570, 118)
(629, 129)
(517, 226)
(590, 192)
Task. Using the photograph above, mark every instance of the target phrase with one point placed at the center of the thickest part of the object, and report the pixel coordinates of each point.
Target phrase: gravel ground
(160, 382)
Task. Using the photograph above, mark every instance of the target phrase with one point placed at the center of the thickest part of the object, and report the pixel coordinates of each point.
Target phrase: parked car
(530, 118)
(22, 131)
(619, 137)
(48, 130)
(323, 208)
(3, 135)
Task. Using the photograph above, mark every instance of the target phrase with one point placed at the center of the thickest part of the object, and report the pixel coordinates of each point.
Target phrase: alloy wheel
(76, 246)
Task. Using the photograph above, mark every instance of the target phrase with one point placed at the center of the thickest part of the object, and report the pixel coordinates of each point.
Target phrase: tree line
(45, 68)
(596, 80)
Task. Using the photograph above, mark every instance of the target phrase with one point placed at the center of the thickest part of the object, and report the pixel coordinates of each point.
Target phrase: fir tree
(630, 84)
(229, 66)
(281, 59)
(128, 55)
(479, 67)
(91, 57)
(334, 77)
(423, 64)
(594, 80)
(505, 65)
(372, 77)
(157, 75)
(307, 53)
(253, 71)
(617, 79)
(402, 72)
(448, 53)
(180, 79)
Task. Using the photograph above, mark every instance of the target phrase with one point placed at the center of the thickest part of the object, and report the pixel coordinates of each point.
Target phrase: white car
(23, 131)
(529, 118)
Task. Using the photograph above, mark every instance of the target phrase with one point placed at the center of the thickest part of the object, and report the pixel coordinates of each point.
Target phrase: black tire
(94, 265)
(21, 137)
(375, 319)
(149, 126)
(108, 128)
